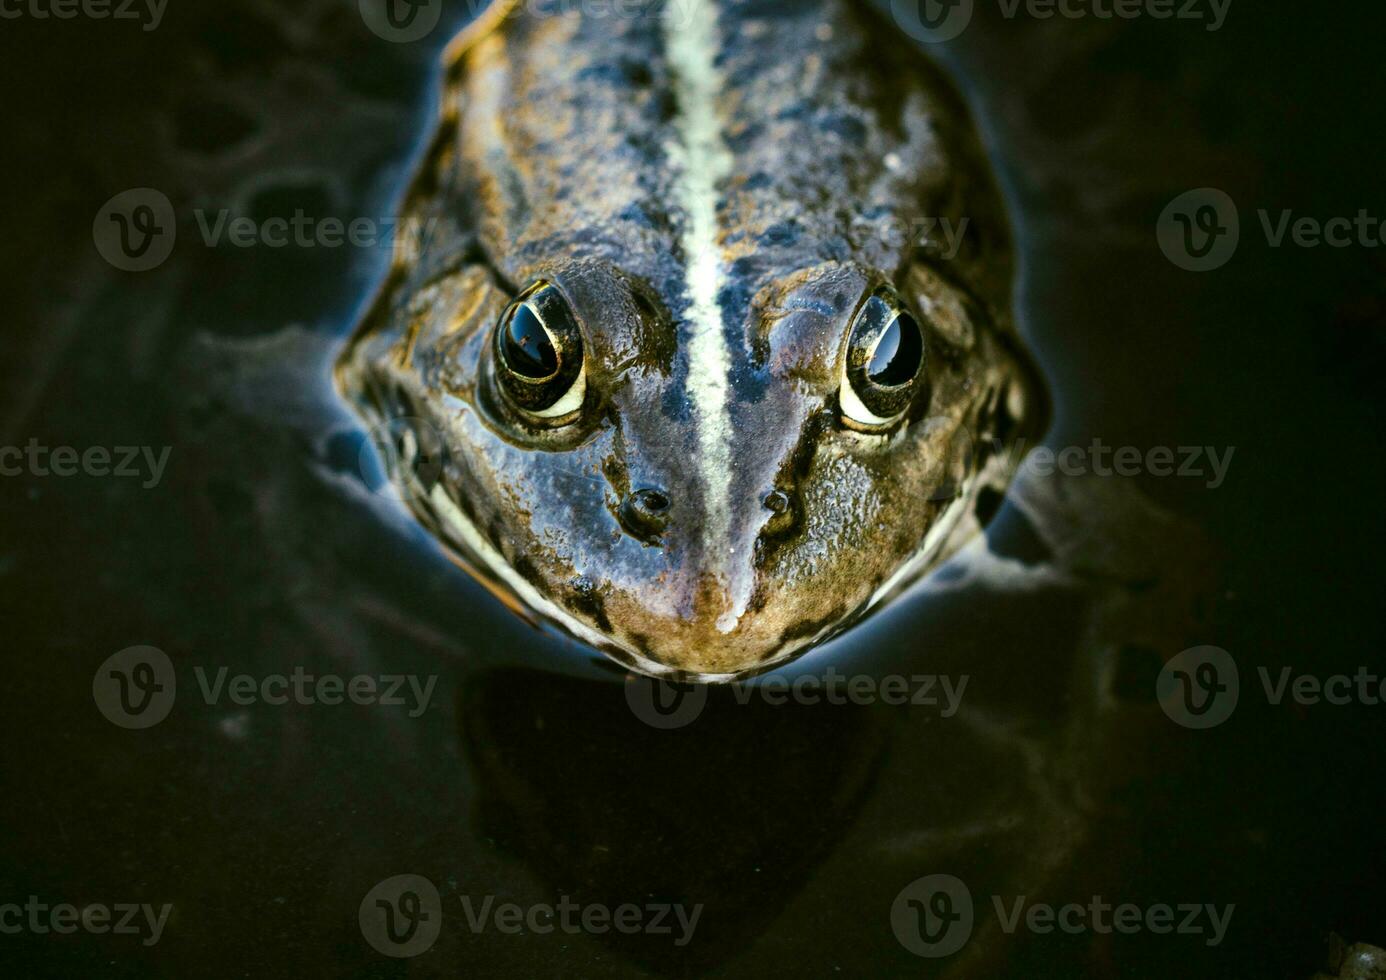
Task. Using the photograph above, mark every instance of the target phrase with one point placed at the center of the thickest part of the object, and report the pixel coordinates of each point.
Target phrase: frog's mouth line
(480, 559)
(460, 534)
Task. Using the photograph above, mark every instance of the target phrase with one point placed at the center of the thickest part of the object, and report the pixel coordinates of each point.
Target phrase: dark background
(529, 778)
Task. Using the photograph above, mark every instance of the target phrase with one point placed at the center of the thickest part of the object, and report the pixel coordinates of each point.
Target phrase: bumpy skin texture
(1356, 962)
(564, 155)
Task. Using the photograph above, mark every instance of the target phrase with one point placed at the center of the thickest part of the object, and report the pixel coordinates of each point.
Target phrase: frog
(673, 354)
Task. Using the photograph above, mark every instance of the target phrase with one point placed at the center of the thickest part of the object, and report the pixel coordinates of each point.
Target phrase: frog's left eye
(884, 367)
(539, 355)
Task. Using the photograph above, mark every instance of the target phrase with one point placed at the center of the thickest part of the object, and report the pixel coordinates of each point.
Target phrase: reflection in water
(731, 812)
(745, 802)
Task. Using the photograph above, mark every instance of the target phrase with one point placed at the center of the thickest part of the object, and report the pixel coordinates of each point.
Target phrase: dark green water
(529, 777)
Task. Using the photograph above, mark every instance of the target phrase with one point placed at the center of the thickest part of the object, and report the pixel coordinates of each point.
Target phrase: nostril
(650, 501)
(783, 513)
(645, 513)
(778, 502)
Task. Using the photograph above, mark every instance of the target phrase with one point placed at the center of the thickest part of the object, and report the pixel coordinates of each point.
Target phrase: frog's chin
(700, 650)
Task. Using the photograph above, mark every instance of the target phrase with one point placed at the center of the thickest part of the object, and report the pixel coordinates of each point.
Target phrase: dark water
(529, 777)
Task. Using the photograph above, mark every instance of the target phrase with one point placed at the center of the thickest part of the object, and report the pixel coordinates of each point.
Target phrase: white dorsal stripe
(702, 161)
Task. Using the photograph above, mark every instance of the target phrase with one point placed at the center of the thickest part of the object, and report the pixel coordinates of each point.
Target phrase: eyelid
(571, 400)
(857, 412)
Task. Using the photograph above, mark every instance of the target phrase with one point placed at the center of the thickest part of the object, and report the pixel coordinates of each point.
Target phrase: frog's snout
(647, 514)
(702, 606)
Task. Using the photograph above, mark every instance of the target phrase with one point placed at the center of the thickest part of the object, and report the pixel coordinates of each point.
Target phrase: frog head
(674, 358)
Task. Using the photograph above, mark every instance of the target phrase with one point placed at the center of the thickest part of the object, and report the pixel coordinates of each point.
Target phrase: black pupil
(898, 355)
(528, 350)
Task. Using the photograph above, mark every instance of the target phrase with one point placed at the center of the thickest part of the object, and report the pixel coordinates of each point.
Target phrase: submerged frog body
(679, 354)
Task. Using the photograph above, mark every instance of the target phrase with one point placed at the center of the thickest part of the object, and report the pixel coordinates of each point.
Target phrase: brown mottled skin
(553, 163)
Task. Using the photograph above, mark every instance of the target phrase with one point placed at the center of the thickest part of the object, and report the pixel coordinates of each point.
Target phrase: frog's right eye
(539, 355)
(883, 372)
